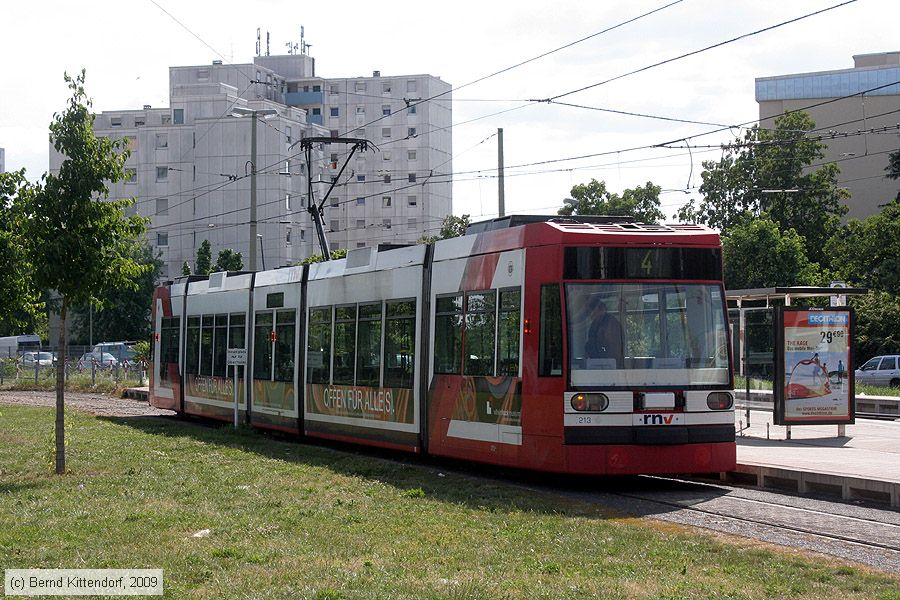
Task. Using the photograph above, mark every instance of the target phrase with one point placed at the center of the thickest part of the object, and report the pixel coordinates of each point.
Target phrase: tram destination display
(813, 371)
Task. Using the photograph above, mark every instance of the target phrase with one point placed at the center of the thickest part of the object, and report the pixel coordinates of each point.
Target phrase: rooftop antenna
(267, 43)
(258, 48)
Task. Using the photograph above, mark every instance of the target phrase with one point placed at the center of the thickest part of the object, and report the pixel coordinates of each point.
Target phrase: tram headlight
(719, 401)
(589, 402)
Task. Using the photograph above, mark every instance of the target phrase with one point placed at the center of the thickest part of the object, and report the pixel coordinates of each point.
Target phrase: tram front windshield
(647, 335)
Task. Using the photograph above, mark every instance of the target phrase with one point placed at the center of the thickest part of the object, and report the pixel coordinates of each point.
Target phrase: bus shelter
(761, 354)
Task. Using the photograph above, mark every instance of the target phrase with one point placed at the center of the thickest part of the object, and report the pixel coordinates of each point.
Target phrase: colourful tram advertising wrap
(557, 345)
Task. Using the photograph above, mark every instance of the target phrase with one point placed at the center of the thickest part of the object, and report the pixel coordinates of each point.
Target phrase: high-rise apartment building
(190, 162)
(836, 102)
(2, 160)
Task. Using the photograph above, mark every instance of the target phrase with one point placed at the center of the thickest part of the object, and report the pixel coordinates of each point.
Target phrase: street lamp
(262, 253)
(253, 114)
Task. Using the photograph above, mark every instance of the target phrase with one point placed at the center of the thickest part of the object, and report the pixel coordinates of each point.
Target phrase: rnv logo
(658, 419)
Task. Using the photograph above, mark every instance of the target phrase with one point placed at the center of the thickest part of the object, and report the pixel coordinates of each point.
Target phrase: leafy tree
(451, 227)
(767, 174)
(867, 252)
(21, 304)
(79, 244)
(125, 313)
(877, 324)
(893, 168)
(185, 268)
(204, 259)
(229, 260)
(758, 255)
(593, 198)
(335, 255)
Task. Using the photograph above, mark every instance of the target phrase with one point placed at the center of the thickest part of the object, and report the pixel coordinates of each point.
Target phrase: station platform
(862, 465)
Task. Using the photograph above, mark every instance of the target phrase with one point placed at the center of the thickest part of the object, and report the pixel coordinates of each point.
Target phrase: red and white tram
(484, 347)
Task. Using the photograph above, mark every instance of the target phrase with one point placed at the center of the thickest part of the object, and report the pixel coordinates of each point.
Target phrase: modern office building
(861, 99)
(190, 162)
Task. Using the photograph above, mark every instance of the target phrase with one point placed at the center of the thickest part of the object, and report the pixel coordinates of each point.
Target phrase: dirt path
(98, 404)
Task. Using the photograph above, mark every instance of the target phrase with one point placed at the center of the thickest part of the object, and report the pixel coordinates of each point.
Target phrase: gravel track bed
(97, 404)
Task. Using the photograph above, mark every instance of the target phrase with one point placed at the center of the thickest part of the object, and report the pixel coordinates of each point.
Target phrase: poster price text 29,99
(831, 335)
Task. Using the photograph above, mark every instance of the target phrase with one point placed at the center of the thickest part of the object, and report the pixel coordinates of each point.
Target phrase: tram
(485, 347)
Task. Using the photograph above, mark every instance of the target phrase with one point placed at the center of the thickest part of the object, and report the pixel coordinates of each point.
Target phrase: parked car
(122, 351)
(43, 359)
(881, 370)
(101, 359)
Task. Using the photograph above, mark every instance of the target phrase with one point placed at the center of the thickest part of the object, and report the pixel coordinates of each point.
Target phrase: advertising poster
(814, 375)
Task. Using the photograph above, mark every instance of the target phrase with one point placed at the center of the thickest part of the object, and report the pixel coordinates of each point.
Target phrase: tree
(125, 313)
(767, 173)
(204, 258)
(893, 168)
(757, 255)
(593, 198)
(451, 227)
(877, 324)
(229, 260)
(80, 244)
(867, 252)
(336, 254)
(21, 303)
(185, 268)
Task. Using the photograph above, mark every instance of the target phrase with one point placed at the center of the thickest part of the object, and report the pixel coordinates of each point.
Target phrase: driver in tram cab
(605, 337)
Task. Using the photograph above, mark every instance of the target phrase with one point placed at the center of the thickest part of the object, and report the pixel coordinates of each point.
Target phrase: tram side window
(206, 348)
(399, 344)
(318, 349)
(237, 335)
(550, 357)
(262, 346)
(220, 345)
(448, 334)
(192, 354)
(344, 344)
(284, 344)
(508, 332)
(368, 345)
(168, 345)
(479, 340)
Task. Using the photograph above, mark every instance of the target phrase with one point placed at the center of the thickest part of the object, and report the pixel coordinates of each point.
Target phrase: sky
(127, 47)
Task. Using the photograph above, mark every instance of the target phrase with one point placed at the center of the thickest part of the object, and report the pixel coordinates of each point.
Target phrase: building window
(360, 110)
(386, 201)
(130, 176)
(302, 234)
(412, 177)
(333, 89)
(203, 74)
(360, 86)
(411, 85)
(386, 223)
(360, 223)
(165, 119)
(335, 225)
(334, 111)
(287, 132)
(334, 133)
(360, 178)
(334, 179)
(334, 158)
(130, 143)
(361, 201)
(317, 111)
(386, 155)
(179, 116)
(360, 244)
(162, 206)
(386, 110)
(162, 173)
(385, 132)
(411, 132)
(411, 223)
(387, 178)
(139, 121)
(162, 140)
(411, 155)
(317, 88)
(411, 110)
(386, 87)
(287, 202)
(162, 239)
(115, 121)
(411, 200)
(164, 270)
(287, 236)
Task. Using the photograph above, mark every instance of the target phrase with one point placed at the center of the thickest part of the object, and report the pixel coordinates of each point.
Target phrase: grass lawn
(288, 520)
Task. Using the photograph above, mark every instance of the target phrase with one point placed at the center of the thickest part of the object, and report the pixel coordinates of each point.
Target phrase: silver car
(43, 359)
(882, 371)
